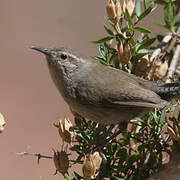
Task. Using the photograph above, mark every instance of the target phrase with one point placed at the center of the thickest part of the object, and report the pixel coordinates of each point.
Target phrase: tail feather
(168, 91)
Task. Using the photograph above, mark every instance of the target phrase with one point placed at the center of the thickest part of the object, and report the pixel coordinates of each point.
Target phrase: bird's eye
(63, 56)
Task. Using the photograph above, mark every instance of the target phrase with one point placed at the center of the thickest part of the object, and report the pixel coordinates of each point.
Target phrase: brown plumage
(101, 93)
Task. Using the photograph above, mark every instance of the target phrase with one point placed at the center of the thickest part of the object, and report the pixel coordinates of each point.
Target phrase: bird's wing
(110, 86)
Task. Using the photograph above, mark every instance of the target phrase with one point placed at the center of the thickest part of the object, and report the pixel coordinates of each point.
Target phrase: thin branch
(174, 63)
(38, 155)
(176, 57)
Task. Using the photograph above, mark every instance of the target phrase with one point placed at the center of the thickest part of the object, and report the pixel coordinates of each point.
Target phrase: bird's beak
(42, 50)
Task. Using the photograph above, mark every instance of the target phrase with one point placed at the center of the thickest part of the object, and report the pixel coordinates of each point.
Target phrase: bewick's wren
(101, 93)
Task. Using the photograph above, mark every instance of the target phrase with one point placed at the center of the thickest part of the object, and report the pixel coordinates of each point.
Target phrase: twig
(176, 57)
(38, 155)
(174, 63)
(162, 46)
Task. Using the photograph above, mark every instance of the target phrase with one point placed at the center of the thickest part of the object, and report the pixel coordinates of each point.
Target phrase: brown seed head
(160, 71)
(61, 162)
(88, 168)
(143, 66)
(124, 53)
(64, 132)
(130, 6)
(111, 11)
(97, 159)
(118, 10)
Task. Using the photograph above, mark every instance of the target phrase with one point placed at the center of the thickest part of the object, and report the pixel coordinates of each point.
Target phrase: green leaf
(102, 50)
(66, 178)
(144, 51)
(163, 115)
(145, 13)
(113, 25)
(142, 30)
(76, 176)
(103, 40)
(159, 37)
(144, 3)
(100, 59)
(162, 2)
(169, 13)
(146, 44)
(116, 178)
(108, 30)
(128, 18)
(166, 26)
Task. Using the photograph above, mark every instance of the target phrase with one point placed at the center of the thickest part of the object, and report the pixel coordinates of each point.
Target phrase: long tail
(168, 90)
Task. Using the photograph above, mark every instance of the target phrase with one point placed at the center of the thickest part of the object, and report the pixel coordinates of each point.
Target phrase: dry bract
(91, 165)
(111, 12)
(64, 130)
(174, 133)
(143, 66)
(118, 10)
(114, 11)
(61, 162)
(171, 133)
(88, 168)
(97, 159)
(124, 53)
(2, 123)
(130, 6)
(160, 71)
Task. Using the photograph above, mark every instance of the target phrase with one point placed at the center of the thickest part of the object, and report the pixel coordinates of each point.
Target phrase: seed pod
(111, 12)
(143, 66)
(97, 160)
(64, 132)
(160, 71)
(124, 53)
(88, 168)
(127, 51)
(61, 162)
(2, 123)
(120, 51)
(130, 6)
(118, 10)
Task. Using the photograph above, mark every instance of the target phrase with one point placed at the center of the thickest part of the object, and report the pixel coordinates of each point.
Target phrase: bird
(103, 93)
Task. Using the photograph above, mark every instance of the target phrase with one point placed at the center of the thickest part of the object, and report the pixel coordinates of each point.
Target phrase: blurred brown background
(28, 98)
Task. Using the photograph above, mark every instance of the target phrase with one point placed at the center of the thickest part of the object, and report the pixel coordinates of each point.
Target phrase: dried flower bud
(127, 50)
(120, 51)
(97, 159)
(92, 165)
(111, 11)
(171, 133)
(64, 132)
(118, 10)
(2, 123)
(143, 66)
(124, 53)
(88, 168)
(130, 6)
(160, 71)
(61, 162)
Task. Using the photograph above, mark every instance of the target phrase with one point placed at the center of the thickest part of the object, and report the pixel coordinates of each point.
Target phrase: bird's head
(61, 58)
